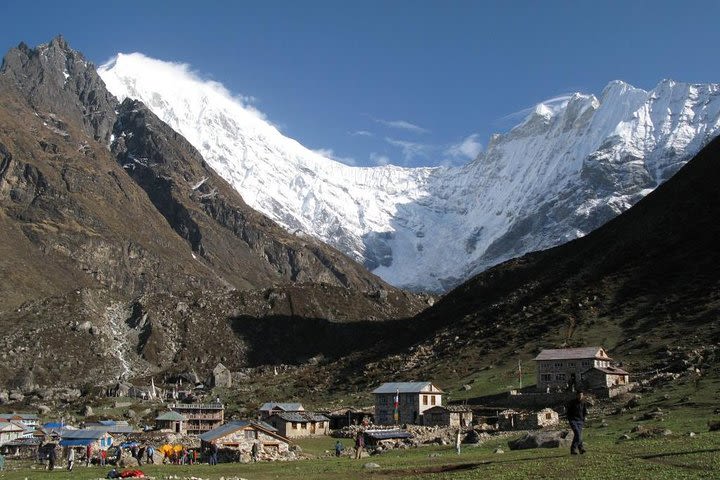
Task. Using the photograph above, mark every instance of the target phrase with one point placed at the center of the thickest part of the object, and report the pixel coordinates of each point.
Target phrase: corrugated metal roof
(451, 408)
(406, 387)
(171, 417)
(387, 434)
(76, 442)
(94, 434)
(112, 429)
(610, 370)
(288, 407)
(302, 417)
(223, 430)
(19, 416)
(572, 354)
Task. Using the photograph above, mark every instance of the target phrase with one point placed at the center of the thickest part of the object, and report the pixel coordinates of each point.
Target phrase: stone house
(562, 369)
(457, 416)
(345, 417)
(268, 409)
(300, 424)
(10, 431)
(413, 399)
(604, 377)
(200, 417)
(28, 419)
(172, 421)
(523, 420)
(239, 437)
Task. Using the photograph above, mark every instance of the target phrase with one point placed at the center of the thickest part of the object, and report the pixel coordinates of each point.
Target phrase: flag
(396, 410)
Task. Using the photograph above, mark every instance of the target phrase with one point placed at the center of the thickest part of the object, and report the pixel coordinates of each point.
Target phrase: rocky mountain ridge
(103, 206)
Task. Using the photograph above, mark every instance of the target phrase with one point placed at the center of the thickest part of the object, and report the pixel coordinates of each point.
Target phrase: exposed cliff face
(105, 212)
(55, 78)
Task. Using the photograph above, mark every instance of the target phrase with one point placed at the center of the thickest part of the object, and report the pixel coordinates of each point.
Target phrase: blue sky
(404, 82)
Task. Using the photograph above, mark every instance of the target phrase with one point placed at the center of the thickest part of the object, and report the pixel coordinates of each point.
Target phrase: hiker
(255, 450)
(576, 412)
(339, 447)
(88, 455)
(213, 454)
(457, 442)
(184, 457)
(141, 454)
(71, 459)
(194, 457)
(359, 444)
(103, 457)
(52, 456)
(150, 452)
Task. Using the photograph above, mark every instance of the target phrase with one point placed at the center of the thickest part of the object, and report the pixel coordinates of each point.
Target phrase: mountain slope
(565, 170)
(105, 212)
(645, 281)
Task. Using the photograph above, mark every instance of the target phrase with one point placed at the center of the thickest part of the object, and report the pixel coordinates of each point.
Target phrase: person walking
(214, 454)
(52, 457)
(359, 444)
(71, 459)
(339, 447)
(457, 442)
(103, 457)
(576, 412)
(255, 450)
(150, 452)
(88, 455)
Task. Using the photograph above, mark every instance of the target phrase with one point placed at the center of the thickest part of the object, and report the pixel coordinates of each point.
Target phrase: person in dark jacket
(576, 413)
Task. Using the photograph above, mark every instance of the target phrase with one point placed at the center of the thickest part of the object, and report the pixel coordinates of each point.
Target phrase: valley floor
(675, 457)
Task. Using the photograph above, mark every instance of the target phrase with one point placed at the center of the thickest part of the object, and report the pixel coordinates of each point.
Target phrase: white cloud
(329, 153)
(401, 125)
(361, 133)
(379, 159)
(410, 150)
(469, 148)
(554, 103)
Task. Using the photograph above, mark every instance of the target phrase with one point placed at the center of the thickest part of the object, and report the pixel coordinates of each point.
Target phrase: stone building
(413, 399)
(97, 439)
(457, 416)
(300, 424)
(268, 409)
(173, 421)
(604, 377)
(523, 420)
(201, 417)
(239, 437)
(563, 369)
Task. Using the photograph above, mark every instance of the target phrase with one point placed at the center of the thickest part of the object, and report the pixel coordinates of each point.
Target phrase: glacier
(566, 169)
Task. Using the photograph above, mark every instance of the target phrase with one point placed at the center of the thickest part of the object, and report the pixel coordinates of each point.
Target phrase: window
(585, 363)
(294, 425)
(432, 399)
(303, 426)
(572, 364)
(546, 377)
(559, 376)
(548, 416)
(558, 364)
(250, 434)
(425, 402)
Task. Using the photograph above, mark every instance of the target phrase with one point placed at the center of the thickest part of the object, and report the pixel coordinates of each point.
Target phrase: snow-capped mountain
(565, 170)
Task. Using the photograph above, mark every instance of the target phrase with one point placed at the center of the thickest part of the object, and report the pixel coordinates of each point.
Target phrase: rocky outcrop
(542, 439)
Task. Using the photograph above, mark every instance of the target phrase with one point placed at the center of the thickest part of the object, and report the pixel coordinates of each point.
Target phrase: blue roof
(76, 442)
(51, 425)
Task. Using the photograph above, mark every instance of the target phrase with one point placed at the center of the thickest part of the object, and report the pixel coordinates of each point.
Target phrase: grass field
(677, 456)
